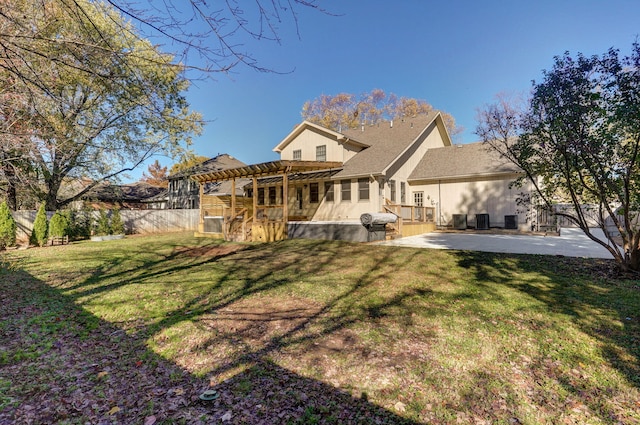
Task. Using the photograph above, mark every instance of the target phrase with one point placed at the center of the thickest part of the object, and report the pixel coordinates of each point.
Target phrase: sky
(456, 55)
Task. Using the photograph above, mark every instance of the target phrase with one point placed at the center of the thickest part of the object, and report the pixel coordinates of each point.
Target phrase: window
(363, 189)
(297, 154)
(418, 199)
(299, 197)
(328, 191)
(403, 193)
(392, 188)
(272, 195)
(261, 196)
(345, 190)
(321, 153)
(314, 193)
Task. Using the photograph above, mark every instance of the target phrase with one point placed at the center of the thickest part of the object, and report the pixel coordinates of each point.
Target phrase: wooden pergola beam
(265, 169)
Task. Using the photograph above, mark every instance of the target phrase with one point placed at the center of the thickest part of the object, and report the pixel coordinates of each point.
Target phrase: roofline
(465, 176)
(441, 127)
(265, 169)
(341, 138)
(361, 175)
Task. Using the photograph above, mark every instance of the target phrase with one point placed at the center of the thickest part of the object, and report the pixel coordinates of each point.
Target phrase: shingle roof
(133, 192)
(387, 142)
(221, 162)
(224, 187)
(473, 159)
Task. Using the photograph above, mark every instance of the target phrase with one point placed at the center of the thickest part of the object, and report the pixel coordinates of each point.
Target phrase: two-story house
(184, 192)
(325, 180)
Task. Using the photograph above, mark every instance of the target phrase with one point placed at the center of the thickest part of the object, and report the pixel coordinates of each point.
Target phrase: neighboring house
(184, 192)
(157, 202)
(327, 179)
(129, 196)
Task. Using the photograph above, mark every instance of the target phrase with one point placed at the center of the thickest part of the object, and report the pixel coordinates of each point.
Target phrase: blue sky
(456, 55)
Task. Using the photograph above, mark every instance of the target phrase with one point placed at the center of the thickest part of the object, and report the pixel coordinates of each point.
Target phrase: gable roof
(460, 161)
(387, 142)
(308, 125)
(221, 162)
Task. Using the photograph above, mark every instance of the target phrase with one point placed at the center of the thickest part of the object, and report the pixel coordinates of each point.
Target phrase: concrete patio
(570, 243)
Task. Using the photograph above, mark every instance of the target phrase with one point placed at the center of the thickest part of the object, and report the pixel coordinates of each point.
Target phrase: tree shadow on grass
(61, 364)
(601, 303)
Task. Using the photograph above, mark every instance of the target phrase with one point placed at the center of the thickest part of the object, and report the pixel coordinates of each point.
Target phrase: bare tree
(346, 110)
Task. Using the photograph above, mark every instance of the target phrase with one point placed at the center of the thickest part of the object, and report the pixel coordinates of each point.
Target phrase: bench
(59, 240)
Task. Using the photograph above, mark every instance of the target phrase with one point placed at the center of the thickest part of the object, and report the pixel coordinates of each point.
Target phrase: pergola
(282, 168)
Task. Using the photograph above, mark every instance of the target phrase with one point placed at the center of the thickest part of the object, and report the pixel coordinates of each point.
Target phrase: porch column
(233, 198)
(201, 206)
(255, 199)
(285, 200)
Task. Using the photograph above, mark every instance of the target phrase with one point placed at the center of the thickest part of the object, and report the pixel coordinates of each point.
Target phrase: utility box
(460, 221)
(482, 221)
(511, 222)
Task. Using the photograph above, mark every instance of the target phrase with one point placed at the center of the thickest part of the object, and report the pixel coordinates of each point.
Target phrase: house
(326, 180)
(128, 196)
(184, 192)
(469, 180)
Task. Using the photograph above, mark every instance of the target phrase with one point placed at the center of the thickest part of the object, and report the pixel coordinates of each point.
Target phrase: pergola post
(255, 199)
(285, 201)
(233, 198)
(201, 206)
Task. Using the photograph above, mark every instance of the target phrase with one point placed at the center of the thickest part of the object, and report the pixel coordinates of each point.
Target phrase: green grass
(433, 336)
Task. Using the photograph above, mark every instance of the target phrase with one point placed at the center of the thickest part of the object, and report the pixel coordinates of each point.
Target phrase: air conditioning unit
(460, 221)
(511, 222)
(482, 221)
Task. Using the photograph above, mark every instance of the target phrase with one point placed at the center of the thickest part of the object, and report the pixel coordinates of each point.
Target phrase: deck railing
(412, 213)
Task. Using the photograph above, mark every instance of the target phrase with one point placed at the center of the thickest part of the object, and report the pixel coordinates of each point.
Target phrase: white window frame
(321, 153)
(364, 189)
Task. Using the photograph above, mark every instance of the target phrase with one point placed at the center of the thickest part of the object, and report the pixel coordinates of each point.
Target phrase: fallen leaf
(114, 410)
(150, 420)
(226, 417)
(102, 374)
(400, 406)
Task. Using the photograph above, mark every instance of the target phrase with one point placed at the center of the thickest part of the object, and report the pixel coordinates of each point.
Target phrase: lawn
(302, 331)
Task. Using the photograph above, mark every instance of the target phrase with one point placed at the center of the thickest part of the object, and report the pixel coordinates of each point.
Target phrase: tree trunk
(12, 196)
(634, 259)
(51, 199)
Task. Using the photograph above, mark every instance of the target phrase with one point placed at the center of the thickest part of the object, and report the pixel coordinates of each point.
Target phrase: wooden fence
(135, 221)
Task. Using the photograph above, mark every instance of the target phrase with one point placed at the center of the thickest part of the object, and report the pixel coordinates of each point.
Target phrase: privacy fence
(135, 221)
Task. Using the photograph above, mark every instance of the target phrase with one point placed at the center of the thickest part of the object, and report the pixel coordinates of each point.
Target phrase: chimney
(391, 124)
